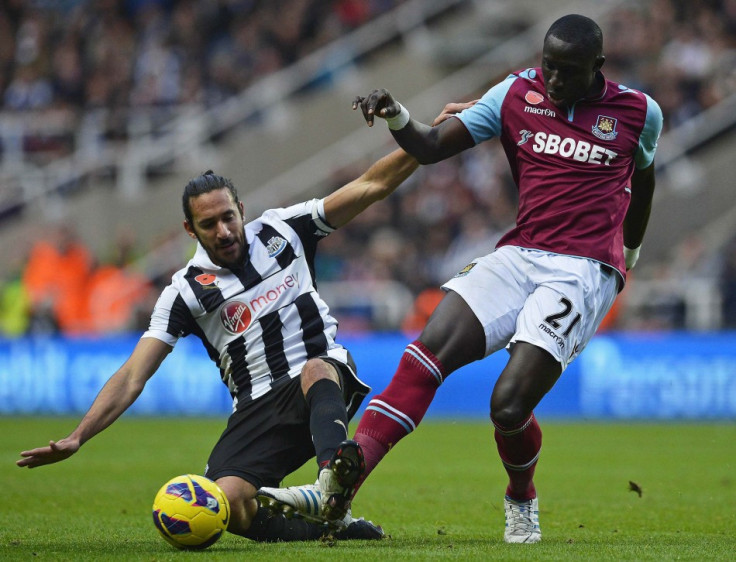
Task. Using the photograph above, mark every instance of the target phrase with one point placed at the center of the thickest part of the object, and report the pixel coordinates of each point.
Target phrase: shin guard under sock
(399, 409)
(519, 448)
(328, 418)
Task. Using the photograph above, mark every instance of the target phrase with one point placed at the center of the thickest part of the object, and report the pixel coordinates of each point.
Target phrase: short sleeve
(170, 318)
(649, 135)
(483, 120)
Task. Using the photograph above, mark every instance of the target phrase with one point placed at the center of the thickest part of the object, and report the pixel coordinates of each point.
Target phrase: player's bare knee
(508, 414)
(317, 369)
(241, 497)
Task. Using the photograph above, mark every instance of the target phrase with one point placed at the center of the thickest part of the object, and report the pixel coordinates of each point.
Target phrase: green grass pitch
(438, 494)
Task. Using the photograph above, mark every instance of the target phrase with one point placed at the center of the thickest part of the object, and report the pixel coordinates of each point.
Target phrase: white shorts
(553, 301)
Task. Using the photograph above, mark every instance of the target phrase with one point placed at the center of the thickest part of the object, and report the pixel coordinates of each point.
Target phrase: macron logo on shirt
(539, 111)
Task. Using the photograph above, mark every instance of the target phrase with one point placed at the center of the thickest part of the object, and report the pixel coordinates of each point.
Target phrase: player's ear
(599, 60)
(189, 229)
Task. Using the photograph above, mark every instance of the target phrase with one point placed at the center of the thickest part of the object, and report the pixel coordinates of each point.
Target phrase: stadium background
(108, 107)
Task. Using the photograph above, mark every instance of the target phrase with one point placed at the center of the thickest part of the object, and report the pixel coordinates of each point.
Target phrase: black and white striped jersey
(262, 323)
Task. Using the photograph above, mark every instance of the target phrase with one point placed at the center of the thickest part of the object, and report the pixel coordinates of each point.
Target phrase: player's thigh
(495, 288)
(265, 440)
(453, 333)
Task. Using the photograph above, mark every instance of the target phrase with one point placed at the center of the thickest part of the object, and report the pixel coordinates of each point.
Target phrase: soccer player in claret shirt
(249, 294)
(581, 151)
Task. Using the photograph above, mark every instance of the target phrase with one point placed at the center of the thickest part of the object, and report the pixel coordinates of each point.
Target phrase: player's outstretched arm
(379, 181)
(119, 392)
(637, 217)
(427, 144)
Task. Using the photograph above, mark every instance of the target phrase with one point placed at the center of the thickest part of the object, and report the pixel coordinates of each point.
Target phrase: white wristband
(631, 256)
(399, 120)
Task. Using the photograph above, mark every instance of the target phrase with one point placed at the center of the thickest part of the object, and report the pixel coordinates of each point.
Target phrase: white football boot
(301, 501)
(305, 502)
(328, 499)
(522, 521)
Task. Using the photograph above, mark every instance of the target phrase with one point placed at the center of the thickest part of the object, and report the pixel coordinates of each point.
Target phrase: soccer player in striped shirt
(249, 293)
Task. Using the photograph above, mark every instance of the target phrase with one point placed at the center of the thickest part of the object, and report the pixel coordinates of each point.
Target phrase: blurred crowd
(61, 287)
(115, 53)
(73, 65)
(680, 52)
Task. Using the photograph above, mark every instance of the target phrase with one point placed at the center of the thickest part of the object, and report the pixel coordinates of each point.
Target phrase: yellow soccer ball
(191, 511)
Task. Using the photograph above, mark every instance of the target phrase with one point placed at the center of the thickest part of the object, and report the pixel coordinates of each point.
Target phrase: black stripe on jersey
(248, 275)
(273, 342)
(286, 255)
(211, 351)
(304, 226)
(180, 319)
(209, 296)
(313, 327)
(239, 368)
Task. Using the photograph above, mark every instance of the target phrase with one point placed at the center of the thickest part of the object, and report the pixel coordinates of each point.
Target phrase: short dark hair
(578, 29)
(209, 181)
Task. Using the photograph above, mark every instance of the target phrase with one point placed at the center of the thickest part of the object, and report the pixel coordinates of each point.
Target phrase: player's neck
(597, 87)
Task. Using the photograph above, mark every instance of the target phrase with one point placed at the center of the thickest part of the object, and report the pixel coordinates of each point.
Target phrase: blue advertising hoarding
(618, 376)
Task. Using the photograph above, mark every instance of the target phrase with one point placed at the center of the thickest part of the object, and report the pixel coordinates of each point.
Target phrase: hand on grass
(55, 451)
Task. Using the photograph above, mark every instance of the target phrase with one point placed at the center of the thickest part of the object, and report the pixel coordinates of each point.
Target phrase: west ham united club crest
(605, 128)
(465, 270)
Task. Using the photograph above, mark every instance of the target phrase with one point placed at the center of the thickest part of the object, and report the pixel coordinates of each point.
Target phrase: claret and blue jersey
(572, 165)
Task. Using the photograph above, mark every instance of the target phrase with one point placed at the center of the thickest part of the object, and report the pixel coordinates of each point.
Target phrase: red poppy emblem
(205, 279)
(534, 98)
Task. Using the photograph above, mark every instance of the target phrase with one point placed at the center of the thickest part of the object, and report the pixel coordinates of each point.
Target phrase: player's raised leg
(452, 338)
(339, 459)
